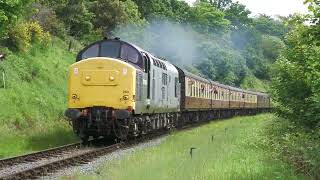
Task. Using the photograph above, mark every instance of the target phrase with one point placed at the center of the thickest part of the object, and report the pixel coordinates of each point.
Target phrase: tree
(10, 11)
(272, 47)
(238, 15)
(207, 18)
(267, 25)
(180, 10)
(155, 8)
(110, 13)
(220, 4)
(74, 14)
(296, 85)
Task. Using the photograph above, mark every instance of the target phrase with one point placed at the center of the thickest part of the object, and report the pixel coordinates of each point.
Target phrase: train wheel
(121, 128)
(85, 140)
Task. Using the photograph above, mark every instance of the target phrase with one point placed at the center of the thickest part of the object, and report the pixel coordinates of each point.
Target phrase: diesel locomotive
(117, 89)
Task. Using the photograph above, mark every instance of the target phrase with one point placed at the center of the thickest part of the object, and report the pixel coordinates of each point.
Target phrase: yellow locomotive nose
(102, 82)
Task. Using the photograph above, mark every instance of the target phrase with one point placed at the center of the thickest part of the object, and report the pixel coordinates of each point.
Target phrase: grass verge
(229, 149)
(34, 99)
(297, 146)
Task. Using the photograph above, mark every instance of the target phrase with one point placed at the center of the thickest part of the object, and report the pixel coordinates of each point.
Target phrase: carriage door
(146, 60)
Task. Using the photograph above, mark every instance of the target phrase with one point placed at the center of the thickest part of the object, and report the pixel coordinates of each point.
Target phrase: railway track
(33, 157)
(43, 163)
(43, 169)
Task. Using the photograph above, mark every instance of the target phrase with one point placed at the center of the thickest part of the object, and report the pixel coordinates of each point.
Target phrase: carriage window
(110, 49)
(93, 51)
(129, 53)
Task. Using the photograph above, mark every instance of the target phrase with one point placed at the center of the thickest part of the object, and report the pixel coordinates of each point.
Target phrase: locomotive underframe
(102, 122)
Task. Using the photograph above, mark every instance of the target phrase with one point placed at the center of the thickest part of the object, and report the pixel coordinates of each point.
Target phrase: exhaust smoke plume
(171, 41)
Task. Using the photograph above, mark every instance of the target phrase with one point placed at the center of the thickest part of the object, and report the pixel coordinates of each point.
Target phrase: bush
(296, 145)
(48, 19)
(23, 34)
(296, 84)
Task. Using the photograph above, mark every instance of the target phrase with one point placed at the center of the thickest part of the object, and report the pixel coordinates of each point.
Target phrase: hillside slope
(33, 102)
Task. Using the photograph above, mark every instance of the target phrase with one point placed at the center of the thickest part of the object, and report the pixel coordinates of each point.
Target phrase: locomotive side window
(129, 53)
(93, 51)
(110, 49)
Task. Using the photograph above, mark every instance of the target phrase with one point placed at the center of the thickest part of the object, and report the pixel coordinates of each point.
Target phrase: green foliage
(267, 25)
(24, 34)
(108, 20)
(296, 146)
(155, 8)
(110, 13)
(34, 100)
(222, 64)
(208, 19)
(272, 47)
(220, 4)
(74, 14)
(49, 20)
(10, 11)
(296, 76)
(180, 11)
(238, 15)
(251, 82)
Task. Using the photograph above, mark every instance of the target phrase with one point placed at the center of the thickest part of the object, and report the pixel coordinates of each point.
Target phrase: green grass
(296, 145)
(33, 102)
(238, 151)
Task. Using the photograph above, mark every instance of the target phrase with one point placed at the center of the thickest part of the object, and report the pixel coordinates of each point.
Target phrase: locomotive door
(147, 70)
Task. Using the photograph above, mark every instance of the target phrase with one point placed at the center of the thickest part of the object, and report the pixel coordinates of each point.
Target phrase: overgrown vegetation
(229, 149)
(296, 88)
(32, 104)
(296, 146)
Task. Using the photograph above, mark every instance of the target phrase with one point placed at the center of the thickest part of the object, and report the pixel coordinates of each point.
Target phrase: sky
(272, 7)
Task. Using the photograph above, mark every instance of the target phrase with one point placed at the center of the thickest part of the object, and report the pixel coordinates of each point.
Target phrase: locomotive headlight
(88, 78)
(112, 78)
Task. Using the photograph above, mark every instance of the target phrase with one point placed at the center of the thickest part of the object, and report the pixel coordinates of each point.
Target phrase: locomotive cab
(117, 89)
(103, 88)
